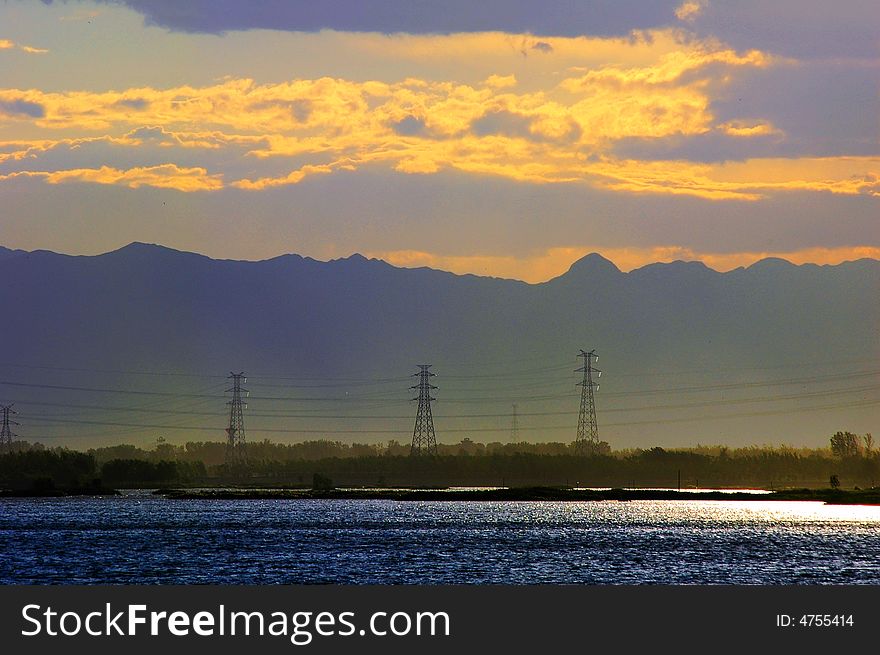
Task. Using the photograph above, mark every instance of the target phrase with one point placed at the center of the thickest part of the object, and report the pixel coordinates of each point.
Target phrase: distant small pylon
(6, 434)
(424, 441)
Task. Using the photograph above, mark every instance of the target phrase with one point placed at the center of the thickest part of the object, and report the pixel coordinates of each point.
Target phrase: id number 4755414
(814, 620)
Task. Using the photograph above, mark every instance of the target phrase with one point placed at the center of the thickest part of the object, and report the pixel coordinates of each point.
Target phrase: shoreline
(511, 494)
(519, 494)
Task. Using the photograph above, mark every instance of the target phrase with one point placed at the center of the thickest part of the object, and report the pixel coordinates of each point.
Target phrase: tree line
(42, 469)
(849, 457)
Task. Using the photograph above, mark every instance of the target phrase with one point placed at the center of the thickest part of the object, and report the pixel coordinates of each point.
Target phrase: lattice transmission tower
(587, 441)
(6, 433)
(424, 442)
(235, 442)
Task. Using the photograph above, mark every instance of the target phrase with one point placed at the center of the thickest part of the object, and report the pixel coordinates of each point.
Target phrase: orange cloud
(6, 44)
(644, 92)
(164, 176)
(671, 67)
(749, 129)
(294, 177)
(651, 86)
(500, 81)
(690, 9)
(747, 180)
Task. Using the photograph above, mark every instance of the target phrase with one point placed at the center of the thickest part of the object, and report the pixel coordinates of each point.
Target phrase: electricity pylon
(424, 442)
(587, 441)
(6, 433)
(235, 442)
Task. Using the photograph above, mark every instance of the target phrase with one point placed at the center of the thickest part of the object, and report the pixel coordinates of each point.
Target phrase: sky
(503, 138)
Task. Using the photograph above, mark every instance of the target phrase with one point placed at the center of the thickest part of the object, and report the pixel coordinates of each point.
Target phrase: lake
(137, 538)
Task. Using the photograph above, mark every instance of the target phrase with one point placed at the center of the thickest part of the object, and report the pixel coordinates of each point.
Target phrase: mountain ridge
(593, 263)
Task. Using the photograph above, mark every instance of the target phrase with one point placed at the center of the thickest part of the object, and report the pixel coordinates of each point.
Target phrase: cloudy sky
(501, 137)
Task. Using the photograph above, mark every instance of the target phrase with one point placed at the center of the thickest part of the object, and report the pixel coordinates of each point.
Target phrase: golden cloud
(6, 44)
(295, 177)
(749, 128)
(746, 180)
(163, 176)
(643, 93)
(690, 9)
(500, 81)
(650, 86)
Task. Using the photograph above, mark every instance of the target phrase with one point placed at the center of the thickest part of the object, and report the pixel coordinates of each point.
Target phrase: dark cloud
(134, 103)
(22, 108)
(554, 17)
(711, 147)
(503, 122)
(542, 46)
(300, 109)
(847, 28)
(409, 126)
(823, 108)
(154, 134)
(795, 28)
(515, 125)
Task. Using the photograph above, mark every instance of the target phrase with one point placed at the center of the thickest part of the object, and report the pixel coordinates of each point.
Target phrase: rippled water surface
(138, 538)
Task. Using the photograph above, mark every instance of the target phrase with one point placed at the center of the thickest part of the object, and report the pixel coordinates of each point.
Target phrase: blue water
(138, 538)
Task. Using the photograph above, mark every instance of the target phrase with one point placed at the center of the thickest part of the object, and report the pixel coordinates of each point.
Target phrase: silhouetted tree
(845, 444)
(62, 467)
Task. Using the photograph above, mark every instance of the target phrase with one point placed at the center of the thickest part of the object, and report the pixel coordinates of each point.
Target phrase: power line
(502, 375)
(72, 369)
(165, 374)
(814, 408)
(307, 414)
(470, 399)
